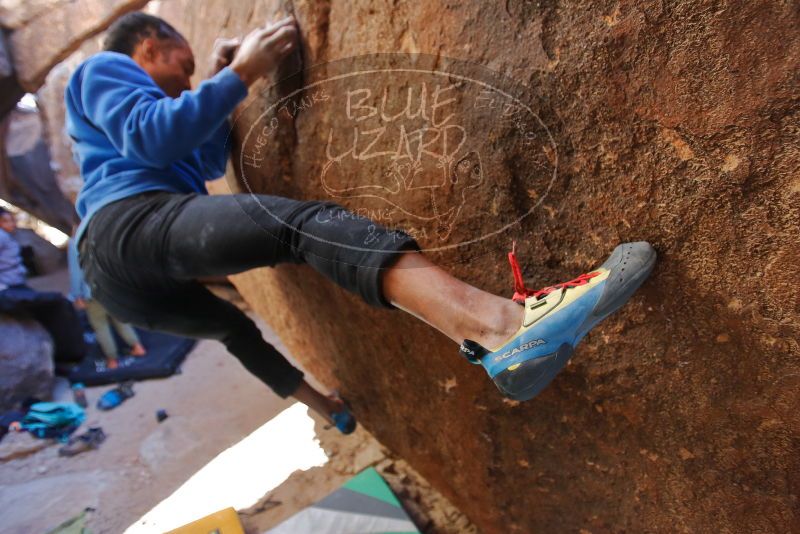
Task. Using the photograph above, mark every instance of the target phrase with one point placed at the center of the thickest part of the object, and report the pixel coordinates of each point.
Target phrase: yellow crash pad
(223, 522)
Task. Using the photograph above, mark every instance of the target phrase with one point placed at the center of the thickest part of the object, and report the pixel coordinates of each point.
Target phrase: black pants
(141, 257)
(54, 312)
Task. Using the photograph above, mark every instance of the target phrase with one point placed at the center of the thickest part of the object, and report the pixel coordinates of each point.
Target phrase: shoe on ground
(114, 397)
(91, 439)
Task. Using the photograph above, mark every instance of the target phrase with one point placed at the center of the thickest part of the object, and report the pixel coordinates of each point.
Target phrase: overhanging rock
(675, 124)
(46, 35)
(10, 89)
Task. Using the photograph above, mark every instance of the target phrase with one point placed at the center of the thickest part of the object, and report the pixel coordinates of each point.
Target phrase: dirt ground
(212, 405)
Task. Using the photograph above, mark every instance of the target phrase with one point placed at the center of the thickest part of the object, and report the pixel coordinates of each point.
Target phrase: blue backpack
(53, 419)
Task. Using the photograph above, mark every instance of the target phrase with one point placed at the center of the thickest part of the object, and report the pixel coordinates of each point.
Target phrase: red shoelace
(521, 292)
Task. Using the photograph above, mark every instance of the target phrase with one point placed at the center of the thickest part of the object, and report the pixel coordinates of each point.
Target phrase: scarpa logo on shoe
(467, 350)
(523, 347)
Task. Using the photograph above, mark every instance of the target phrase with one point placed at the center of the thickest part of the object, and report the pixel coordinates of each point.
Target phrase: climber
(146, 143)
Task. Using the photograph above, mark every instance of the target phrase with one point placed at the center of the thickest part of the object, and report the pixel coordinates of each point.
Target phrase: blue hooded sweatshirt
(130, 137)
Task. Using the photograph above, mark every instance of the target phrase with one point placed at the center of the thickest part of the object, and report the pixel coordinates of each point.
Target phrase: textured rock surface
(674, 122)
(47, 31)
(27, 178)
(51, 104)
(26, 361)
(15, 14)
(10, 90)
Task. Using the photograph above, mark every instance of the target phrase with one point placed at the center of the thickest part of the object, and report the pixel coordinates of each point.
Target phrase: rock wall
(10, 90)
(600, 122)
(45, 32)
(50, 98)
(42, 41)
(26, 361)
(674, 122)
(27, 178)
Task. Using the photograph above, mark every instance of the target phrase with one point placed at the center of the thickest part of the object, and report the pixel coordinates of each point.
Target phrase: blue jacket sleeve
(144, 124)
(214, 152)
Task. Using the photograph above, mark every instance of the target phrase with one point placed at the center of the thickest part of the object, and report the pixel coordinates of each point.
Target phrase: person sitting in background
(54, 312)
(99, 318)
(12, 270)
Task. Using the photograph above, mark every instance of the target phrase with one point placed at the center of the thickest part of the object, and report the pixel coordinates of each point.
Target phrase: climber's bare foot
(138, 350)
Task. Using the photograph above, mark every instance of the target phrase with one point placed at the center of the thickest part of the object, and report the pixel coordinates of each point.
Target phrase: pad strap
(472, 351)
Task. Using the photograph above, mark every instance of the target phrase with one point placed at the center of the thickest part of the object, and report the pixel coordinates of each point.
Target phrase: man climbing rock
(146, 143)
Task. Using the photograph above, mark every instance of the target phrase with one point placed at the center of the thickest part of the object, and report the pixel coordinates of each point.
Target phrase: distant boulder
(26, 361)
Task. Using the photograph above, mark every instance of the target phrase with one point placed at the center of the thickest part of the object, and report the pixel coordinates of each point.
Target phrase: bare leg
(99, 319)
(455, 308)
(318, 402)
(129, 336)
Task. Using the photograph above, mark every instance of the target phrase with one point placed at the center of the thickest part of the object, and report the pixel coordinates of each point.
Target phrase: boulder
(17, 13)
(50, 98)
(598, 123)
(43, 33)
(10, 90)
(27, 179)
(26, 361)
(670, 123)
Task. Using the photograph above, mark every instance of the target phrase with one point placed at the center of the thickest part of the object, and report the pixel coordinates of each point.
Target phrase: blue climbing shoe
(113, 398)
(343, 420)
(556, 318)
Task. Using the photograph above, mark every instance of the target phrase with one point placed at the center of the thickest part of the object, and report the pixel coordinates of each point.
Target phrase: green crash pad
(364, 504)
